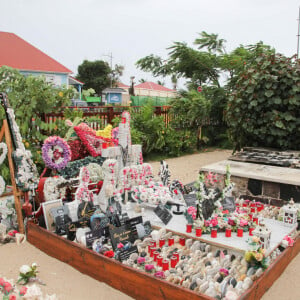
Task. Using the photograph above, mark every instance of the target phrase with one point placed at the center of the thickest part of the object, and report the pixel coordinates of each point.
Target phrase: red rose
(7, 287)
(23, 290)
(2, 281)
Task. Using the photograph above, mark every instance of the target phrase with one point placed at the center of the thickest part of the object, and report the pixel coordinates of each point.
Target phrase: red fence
(100, 116)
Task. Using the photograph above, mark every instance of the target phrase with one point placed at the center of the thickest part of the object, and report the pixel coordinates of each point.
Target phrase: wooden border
(137, 284)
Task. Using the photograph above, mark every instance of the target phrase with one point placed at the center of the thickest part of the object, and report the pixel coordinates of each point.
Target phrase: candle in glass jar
(176, 254)
(104, 145)
(161, 242)
(123, 120)
(159, 260)
(165, 264)
(251, 230)
(173, 261)
(228, 232)
(198, 231)
(255, 220)
(214, 233)
(240, 232)
(171, 241)
(189, 228)
(155, 254)
(152, 250)
(182, 241)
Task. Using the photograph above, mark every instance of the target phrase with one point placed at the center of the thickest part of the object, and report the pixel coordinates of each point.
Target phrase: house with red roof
(152, 89)
(29, 60)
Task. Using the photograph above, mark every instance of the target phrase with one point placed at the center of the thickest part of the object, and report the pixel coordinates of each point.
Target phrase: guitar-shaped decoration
(26, 174)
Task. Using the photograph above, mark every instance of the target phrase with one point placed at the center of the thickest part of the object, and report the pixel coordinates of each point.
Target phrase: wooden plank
(16, 191)
(134, 283)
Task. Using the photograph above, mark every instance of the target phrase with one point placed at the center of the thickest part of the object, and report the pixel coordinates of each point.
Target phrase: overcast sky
(73, 30)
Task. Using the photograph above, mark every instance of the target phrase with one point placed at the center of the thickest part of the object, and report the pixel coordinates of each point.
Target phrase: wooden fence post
(110, 114)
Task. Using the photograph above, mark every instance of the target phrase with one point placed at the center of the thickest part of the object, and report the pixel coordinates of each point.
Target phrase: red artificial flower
(12, 297)
(7, 287)
(109, 254)
(23, 290)
(2, 282)
(225, 212)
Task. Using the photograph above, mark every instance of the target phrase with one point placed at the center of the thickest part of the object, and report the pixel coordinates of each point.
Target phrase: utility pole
(298, 35)
(111, 75)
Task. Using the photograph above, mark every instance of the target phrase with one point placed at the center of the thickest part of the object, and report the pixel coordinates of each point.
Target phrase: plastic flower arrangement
(28, 274)
(255, 257)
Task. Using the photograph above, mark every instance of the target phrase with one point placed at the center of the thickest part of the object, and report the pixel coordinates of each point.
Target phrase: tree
(264, 107)
(211, 42)
(95, 75)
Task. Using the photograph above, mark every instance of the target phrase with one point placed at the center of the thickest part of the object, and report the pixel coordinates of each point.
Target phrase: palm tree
(211, 42)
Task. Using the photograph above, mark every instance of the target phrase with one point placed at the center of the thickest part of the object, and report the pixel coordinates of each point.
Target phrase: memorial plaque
(190, 199)
(91, 236)
(163, 213)
(228, 203)
(121, 234)
(125, 254)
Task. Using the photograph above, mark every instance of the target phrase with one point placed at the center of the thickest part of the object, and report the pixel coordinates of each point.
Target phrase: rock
(259, 272)
(247, 283)
(203, 287)
(231, 295)
(220, 279)
(242, 277)
(232, 281)
(143, 254)
(207, 248)
(232, 257)
(195, 246)
(189, 243)
(193, 285)
(211, 292)
(208, 263)
(251, 271)
(217, 253)
(239, 285)
(223, 288)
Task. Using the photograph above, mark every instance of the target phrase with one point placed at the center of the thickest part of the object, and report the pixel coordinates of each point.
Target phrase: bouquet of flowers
(256, 255)
(28, 273)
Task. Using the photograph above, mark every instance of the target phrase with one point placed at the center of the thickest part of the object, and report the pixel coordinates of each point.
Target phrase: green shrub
(264, 109)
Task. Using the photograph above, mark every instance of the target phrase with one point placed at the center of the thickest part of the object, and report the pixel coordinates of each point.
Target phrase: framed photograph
(47, 206)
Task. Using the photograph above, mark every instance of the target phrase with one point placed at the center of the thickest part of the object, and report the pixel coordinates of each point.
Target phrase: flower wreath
(2, 157)
(4, 152)
(56, 152)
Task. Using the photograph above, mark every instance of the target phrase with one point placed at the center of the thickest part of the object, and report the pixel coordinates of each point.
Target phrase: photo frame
(47, 206)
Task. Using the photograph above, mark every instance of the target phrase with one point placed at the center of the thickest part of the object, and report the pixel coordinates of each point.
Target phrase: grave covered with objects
(98, 194)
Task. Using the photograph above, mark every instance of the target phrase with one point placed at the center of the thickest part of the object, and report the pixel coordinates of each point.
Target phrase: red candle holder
(153, 243)
(251, 230)
(165, 264)
(173, 261)
(228, 232)
(171, 241)
(159, 260)
(214, 233)
(155, 254)
(255, 220)
(250, 216)
(260, 207)
(161, 242)
(182, 241)
(152, 250)
(123, 120)
(245, 205)
(189, 228)
(252, 209)
(104, 145)
(198, 231)
(240, 232)
(176, 254)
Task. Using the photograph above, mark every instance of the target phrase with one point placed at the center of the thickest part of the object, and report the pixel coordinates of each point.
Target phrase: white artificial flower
(33, 293)
(34, 265)
(25, 269)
